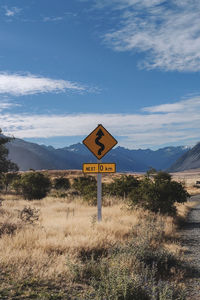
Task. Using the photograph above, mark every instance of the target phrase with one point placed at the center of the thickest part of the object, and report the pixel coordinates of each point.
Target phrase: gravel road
(190, 237)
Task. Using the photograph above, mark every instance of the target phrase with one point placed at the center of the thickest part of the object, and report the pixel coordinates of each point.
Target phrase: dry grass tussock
(39, 248)
(184, 208)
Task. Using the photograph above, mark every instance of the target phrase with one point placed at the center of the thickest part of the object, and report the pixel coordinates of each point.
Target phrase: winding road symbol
(99, 136)
(99, 141)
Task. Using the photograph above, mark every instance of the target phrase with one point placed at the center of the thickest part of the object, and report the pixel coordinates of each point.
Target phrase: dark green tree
(8, 179)
(158, 195)
(34, 185)
(122, 186)
(61, 183)
(5, 164)
(86, 186)
(162, 176)
(16, 185)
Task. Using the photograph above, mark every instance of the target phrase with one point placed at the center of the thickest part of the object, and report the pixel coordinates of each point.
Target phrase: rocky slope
(189, 160)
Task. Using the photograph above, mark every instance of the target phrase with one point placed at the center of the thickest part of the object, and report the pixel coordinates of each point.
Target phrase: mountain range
(39, 157)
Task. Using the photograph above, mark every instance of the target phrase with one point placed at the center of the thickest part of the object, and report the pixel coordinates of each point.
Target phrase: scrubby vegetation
(61, 183)
(156, 191)
(158, 194)
(123, 186)
(86, 186)
(59, 251)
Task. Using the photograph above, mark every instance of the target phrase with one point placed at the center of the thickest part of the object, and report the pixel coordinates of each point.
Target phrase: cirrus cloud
(20, 85)
(167, 32)
(12, 11)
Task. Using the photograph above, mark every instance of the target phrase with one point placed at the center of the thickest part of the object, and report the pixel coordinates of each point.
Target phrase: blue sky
(131, 65)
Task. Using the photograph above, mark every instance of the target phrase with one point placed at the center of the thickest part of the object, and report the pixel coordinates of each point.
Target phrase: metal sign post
(99, 195)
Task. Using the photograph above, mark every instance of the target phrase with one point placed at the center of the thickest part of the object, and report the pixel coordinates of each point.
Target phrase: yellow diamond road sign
(99, 141)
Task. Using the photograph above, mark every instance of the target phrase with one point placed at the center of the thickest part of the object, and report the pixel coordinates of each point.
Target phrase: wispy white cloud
(19, 85)
(153, 126)
(185, 105)
(5, 105)
(52, 19)
(62, 17)
(168, 32)
(12, 11)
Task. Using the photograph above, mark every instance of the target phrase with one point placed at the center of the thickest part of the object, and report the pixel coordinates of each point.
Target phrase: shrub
(61, 183)
(135, 270)
(122, 186)
(162, 176)
(86, 186)
(159, 195)
(7, 228)
(8, 178)
(16, 185)
(34, 185)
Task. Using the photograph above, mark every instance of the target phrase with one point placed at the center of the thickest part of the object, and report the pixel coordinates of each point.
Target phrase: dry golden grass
(184, 208)
(65, 229)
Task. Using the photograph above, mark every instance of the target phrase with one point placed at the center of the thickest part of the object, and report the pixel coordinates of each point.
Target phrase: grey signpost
(99, 195)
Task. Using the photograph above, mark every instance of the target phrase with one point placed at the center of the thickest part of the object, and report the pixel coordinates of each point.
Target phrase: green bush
(61, 183)
(122, 186)
(16, 185)
(86, 186)
(7, 179)
(34, 185)
(158, 195)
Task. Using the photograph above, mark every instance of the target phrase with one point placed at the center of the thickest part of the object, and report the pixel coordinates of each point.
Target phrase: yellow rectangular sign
(107, 168)
(99, 168)
(90, 168)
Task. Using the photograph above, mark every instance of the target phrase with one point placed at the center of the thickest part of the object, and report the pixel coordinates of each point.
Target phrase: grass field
(55, 249)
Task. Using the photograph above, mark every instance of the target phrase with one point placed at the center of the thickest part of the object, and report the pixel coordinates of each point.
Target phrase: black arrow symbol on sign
(99, 136)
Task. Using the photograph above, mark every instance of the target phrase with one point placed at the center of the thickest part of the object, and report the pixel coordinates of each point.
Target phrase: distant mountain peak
(75, 147)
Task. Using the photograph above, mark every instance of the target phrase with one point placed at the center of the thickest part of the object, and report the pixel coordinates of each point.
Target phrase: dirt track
(190, 236)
